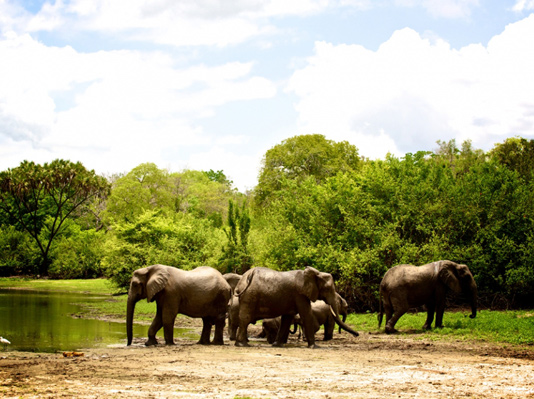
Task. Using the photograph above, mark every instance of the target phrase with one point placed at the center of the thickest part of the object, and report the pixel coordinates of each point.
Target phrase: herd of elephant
(305, 298)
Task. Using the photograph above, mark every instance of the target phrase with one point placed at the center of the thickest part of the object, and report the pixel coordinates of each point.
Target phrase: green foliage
(18, 252)
(179, 240)
(454, 204)
(39, 198)
(300, 157)
(235, 254)
(77, 254)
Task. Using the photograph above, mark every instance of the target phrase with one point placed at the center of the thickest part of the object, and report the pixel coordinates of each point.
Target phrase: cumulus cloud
(412, 92)
(523, 5)
(119, 107)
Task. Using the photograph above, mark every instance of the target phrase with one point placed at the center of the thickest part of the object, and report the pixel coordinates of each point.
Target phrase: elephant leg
(220, 322)
(156, 325)
(430, 309)
(242, 330)
(283, 331)
(397, 314)
(388, 310)
(309, 322)
(329, 328)
(232, 327)
(440, 309)
(206, 331)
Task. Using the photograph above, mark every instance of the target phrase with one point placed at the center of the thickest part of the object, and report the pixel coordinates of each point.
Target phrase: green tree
(235, 254)
(39, 198)
(517, 154)
(300, 157)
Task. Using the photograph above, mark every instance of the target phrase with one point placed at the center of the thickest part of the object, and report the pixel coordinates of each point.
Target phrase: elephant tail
(380, 313)
(248, 280)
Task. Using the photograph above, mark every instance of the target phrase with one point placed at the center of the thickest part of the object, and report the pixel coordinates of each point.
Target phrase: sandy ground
(370, 366)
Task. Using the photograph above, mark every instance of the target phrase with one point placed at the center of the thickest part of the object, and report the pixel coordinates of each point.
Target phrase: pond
(39, 321)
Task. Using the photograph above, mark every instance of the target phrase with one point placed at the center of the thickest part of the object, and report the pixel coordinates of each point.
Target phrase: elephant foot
(151, 341)
(390, 330)
(314, 346)
(217, 342)
(440, 326)
(278, 345)
(427, 327)
(203, 342)
(242, 344)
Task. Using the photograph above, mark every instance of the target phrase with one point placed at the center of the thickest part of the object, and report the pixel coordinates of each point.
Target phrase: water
(39, 321)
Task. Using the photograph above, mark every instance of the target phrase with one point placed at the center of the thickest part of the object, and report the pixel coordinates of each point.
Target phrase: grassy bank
(510, 327)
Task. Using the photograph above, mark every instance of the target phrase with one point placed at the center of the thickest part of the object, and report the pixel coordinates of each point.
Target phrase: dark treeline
(317, 203)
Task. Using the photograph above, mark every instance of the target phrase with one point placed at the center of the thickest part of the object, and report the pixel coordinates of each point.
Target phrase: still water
(38, 321)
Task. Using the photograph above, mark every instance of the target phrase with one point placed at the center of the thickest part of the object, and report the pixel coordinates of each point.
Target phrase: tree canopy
(317, 203)
(39, 198)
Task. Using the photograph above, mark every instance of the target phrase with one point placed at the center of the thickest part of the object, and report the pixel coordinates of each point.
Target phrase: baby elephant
(407, 286)
(271, 326)
(322, 313)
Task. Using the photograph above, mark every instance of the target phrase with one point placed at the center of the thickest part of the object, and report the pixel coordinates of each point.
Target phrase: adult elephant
(265, 293)
(201, 292)
(407, 286)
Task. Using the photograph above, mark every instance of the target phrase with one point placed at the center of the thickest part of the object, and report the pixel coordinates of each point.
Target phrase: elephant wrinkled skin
(201, 292)
(407, 286)
(266, 293)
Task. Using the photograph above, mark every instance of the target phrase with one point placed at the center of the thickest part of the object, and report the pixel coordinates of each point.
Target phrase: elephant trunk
(341, 324)
(129, 318)
(344, 318)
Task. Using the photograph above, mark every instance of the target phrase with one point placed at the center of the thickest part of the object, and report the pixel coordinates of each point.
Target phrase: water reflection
(39, 321)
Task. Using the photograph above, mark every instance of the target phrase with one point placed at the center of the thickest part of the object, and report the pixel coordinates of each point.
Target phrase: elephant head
(458, 278)
(145, 283)
(318, 285)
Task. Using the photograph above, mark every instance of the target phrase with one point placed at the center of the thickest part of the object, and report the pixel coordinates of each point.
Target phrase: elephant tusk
(332, 310)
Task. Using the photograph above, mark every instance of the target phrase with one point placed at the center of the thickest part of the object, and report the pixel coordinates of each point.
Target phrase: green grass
(94, 286)
(509, 327)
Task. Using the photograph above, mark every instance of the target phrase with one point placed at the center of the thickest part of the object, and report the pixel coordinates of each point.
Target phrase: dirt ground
(369, 366)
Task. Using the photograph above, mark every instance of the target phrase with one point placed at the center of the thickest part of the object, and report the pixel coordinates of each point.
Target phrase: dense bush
(180, 240)
(317, 203)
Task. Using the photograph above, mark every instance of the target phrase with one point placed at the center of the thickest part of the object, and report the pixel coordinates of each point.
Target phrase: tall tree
(39, 198)
(300, 157)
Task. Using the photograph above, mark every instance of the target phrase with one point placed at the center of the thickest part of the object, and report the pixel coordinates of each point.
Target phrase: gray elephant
(324, 317)
(407, 286)
(270, 328)
(233, 318)
(201, 292)
(232, 279)
(266, 293)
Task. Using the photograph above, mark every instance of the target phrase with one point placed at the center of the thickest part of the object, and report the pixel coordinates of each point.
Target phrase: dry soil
(369, 366)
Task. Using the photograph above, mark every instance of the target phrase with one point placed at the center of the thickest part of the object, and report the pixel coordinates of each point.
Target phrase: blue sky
(214, 84)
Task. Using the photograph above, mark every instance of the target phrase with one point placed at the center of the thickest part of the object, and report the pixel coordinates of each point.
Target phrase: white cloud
(443, 8)
(523, 5)
(116, 109)
(415, 92)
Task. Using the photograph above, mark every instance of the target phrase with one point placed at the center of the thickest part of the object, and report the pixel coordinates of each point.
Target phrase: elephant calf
(407, 286)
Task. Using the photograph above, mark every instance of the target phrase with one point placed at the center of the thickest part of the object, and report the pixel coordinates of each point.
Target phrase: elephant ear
(307, 283)
(159, 275)
(447, 274)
